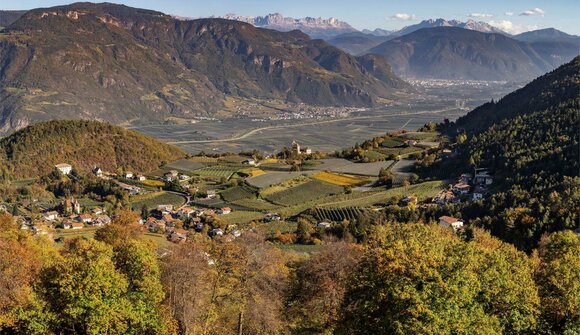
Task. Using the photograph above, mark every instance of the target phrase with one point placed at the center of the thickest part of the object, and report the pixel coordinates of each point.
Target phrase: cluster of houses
(469, 186)
(68, 215)
(165, 219)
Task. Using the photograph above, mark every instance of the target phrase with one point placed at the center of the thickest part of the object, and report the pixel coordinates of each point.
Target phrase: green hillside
(34, 150)
(533, 149)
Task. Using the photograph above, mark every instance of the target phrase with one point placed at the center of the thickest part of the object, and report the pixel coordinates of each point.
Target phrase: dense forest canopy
(409, 279)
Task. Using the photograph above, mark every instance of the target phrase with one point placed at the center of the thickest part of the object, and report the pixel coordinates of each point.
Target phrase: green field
(267, 228)
(337, 214)
(152, 200)
(302, 193)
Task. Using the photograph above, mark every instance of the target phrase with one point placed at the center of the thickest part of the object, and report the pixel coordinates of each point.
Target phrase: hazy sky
(511, 15)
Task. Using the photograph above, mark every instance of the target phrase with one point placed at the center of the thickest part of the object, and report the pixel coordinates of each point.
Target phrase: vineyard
(237, 193)
(304, 193)
(255, 204)
(337, 214)
(152, 200)
(218, 171)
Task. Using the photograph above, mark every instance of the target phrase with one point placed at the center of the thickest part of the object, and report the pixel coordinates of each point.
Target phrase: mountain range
(122, 64)
(457, 53)
(358, 43)
(314, 27)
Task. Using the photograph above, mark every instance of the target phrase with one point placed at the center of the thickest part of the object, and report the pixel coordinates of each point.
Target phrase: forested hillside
(533, 148)
(35, 150)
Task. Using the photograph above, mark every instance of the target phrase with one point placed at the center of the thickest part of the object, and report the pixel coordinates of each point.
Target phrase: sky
(513, 16)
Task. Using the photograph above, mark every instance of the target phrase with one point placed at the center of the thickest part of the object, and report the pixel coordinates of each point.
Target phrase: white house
(324, 225)
(52, 215)
(77, 225)
(308, 151)
(128, 175)
(63, 168)
(141, 178)
(448, 221)
(249, 162)
(225, 210)
(461, 188)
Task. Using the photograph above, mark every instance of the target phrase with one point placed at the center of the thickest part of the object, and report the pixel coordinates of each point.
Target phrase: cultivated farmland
(340, 179)
(272, 178)
(304, 192)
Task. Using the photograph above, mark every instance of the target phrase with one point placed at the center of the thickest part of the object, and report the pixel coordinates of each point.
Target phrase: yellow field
(339, 179)
(154, 183)
(269, 161)
(252, 172)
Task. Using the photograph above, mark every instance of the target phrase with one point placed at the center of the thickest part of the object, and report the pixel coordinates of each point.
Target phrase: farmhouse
(461, 188)
(171, 175)
(63, 168)
(482, 177)
(50, 216)
(85, 218)
(210, 194)
(77, 225)
(225, 210)
(102, 220)
(141, 177)
(448, 221)
(324, 225)
(128, 175)
(249, 162)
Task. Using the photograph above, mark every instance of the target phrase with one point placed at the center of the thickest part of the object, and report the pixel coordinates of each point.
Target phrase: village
(207, 210)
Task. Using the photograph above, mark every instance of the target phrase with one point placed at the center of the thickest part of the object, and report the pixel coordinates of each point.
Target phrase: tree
(558, 276)
(86, 291)
(422, 279)
(304, 231)
(318, 290)
(123, 227)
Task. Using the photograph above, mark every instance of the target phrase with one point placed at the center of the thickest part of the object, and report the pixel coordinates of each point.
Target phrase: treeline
(407, 279)
(36, 149)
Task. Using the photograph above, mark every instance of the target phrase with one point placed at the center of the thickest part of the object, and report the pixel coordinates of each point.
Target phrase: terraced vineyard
(304, 193)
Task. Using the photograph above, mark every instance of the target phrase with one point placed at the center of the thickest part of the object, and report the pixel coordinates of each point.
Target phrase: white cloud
(510, 27)
(509, 13)
(480, 15)
(533, 11)
(403, 17)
